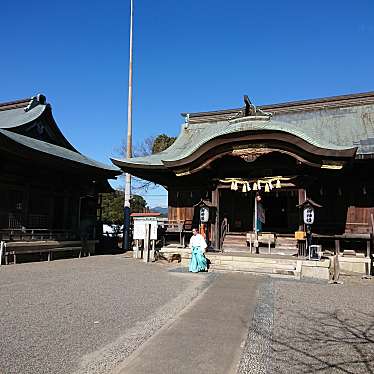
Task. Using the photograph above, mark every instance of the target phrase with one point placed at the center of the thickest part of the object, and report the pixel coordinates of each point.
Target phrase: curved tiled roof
(336, 124)
(54, 150)
(195, 136)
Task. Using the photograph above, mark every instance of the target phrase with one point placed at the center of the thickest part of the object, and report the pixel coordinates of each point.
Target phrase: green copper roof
(333, 128)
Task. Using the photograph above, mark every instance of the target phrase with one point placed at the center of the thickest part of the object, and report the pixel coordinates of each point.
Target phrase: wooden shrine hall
(49, 190)
(273, 157)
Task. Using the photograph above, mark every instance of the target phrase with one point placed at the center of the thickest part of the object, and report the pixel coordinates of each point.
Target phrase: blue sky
(188, 56)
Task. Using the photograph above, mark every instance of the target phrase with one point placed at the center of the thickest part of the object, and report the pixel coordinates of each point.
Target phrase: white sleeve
(202, 243)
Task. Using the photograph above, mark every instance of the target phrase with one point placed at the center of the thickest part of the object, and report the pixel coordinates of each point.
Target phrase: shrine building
(318, 149)
(49, 190)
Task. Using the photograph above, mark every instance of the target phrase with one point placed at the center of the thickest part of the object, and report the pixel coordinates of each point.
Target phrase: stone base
(315, 269)
(280, 265)
(354, 265)
(269, 264)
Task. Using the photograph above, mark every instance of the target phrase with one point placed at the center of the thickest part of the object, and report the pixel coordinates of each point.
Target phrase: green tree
(112, 207)
(162, 142)
(138, 204)
(150, 145)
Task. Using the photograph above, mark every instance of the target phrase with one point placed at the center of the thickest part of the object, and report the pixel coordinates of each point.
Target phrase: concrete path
(207, 337)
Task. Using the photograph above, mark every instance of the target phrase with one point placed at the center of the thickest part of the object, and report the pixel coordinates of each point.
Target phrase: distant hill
(159, 209)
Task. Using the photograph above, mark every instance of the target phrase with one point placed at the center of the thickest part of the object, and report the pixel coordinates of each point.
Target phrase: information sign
(139, 228)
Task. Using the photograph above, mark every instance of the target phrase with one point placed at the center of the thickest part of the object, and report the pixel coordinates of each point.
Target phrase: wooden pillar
(337, 247)
(66, 209)
(51, 211)
(215, 225)
(26, 201)
(302, 198)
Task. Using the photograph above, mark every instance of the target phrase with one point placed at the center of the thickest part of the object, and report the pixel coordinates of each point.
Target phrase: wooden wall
(359, 220)
(181, 204)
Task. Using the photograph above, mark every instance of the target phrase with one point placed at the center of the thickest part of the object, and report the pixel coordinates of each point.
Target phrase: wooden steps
(235, 242)
(286, 245)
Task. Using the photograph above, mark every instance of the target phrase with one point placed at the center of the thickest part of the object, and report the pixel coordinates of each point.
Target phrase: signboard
(308, 215)
(139, 227)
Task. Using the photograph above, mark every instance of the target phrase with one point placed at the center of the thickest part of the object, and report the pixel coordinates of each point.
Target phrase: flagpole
(126, 226)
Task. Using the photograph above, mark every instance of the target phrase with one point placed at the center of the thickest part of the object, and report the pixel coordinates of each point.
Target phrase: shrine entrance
(281, 212)
(278, 210)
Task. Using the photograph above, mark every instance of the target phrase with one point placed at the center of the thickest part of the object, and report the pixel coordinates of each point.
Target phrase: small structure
(49, 190)
(145, 228)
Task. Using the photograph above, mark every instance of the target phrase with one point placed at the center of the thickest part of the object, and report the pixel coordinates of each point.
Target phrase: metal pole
(126, 225)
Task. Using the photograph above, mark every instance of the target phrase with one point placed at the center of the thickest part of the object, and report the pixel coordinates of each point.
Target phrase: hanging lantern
(233, 185)
(267, 189)
(271, 185)
(259, 185)
(248, 186)
(278, 184)
(244, 188)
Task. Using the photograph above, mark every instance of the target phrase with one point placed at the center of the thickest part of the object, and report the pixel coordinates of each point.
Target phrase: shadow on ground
(325, 342)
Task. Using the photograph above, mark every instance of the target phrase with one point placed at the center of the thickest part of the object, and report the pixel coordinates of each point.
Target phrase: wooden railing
(36, 234)
(173, 227)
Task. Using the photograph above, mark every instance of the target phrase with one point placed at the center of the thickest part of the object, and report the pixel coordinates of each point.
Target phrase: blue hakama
(198, 261)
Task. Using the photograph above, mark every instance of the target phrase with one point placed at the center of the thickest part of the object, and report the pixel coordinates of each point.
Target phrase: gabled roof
(21, 103)
(16, 117)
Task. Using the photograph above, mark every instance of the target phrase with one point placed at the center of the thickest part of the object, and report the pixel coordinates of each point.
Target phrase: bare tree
(150, 145)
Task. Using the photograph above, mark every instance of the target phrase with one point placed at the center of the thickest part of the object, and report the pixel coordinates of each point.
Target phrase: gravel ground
(322, 328)
(312, 327)
(85, 315)
(257, 350)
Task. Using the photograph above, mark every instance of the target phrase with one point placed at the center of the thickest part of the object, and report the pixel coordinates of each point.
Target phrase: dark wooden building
(45, 183)
(320, 149)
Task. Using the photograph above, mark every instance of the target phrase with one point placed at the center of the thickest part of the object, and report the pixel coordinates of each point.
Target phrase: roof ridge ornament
(36, 100)
(251, 110)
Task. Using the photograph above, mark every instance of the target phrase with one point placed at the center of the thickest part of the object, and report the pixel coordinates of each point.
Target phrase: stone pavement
(208, 337)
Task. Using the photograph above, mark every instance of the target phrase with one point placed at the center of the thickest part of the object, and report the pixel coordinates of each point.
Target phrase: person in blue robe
(198, 246)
